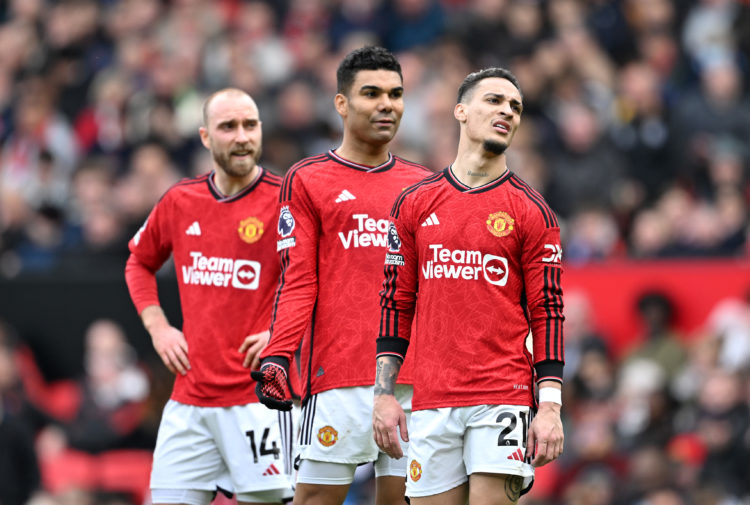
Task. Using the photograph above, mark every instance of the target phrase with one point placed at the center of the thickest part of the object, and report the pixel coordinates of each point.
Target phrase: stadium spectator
(19, 469)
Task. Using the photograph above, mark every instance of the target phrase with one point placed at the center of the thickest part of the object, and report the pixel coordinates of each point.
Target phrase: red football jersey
(486, 264)
(224, 251)
(331, 233)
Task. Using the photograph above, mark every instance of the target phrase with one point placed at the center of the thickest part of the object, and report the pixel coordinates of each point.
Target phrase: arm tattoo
(513, 485)
(385, 379)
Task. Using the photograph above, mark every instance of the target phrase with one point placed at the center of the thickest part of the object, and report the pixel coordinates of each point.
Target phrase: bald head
(226, 93)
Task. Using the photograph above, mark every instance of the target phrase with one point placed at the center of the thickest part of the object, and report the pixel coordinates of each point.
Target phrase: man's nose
(385, 103)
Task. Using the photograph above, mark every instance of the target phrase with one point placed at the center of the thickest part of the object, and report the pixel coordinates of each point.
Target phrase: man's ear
(340, 102)
(459, 112)
(203, 132)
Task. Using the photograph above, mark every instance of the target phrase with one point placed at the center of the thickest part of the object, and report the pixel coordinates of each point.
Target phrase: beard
(236, 168)
(494, 146)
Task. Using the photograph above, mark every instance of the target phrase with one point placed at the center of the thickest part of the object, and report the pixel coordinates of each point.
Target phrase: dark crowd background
(636, 129)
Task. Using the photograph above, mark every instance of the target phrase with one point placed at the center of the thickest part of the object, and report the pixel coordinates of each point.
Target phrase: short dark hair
(473, 78)
(364, 58)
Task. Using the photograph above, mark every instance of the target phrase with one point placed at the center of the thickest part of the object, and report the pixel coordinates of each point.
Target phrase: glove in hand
(273, 383)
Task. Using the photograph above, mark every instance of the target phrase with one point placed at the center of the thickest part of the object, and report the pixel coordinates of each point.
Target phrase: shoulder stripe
(400, 199)
(271, 179)
(549, 216)
(286, 187)
(187, 181)
(413, 164)
(192, 180)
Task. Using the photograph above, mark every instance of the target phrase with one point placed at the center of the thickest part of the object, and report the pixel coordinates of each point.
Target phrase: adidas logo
(518, 455)
(345, 196)
(194, 229)
(271, 470)
(431, 220)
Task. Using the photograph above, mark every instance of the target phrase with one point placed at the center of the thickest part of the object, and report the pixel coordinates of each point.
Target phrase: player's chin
(241, 167)
(383, 135)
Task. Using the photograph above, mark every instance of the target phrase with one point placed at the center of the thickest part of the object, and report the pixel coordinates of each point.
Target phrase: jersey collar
(453, 180)
(363, 168)
(221, 197)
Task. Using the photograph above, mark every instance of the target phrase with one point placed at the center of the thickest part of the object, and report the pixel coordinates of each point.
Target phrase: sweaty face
(234, 133)
(374, 106)
(493, 113)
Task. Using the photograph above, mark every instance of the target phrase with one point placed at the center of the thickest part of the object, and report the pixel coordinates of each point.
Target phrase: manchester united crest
(250, 229)
(500, 224)
(328, 436)
(415, 470)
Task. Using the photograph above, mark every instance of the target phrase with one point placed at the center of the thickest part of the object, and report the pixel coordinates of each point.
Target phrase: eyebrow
(235, 120)
(500, 95)
(371, 87)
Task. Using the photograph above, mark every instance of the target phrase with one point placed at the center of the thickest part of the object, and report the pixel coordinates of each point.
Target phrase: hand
(546, 434)
(273, 383)
(172, 348)
(252, 346)
(388, 419)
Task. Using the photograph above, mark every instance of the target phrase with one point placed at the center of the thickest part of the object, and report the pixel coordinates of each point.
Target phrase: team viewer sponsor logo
(367, 232)
(221, 272)
(466, 265)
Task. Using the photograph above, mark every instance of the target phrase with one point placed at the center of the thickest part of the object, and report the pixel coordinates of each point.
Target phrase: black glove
(273, 383)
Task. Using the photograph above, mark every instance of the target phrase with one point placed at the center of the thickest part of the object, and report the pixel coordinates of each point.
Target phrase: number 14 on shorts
(264, 451)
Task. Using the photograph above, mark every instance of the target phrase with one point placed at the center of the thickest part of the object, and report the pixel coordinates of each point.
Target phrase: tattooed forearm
(513, 485)
(385, 379)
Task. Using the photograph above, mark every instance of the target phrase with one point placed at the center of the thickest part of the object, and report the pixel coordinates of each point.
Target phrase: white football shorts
(335, 435)
(446, 445)
(244, 449)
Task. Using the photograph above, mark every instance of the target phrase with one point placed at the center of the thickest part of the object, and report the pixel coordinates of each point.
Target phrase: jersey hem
(470, 403)
(355, 384)
(199, 402)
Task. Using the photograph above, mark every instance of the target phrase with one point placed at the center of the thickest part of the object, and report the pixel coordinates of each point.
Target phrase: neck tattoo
(476, 174)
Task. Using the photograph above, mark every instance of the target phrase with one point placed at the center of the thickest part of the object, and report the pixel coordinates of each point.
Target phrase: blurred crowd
(637, 112)
(635, 128)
